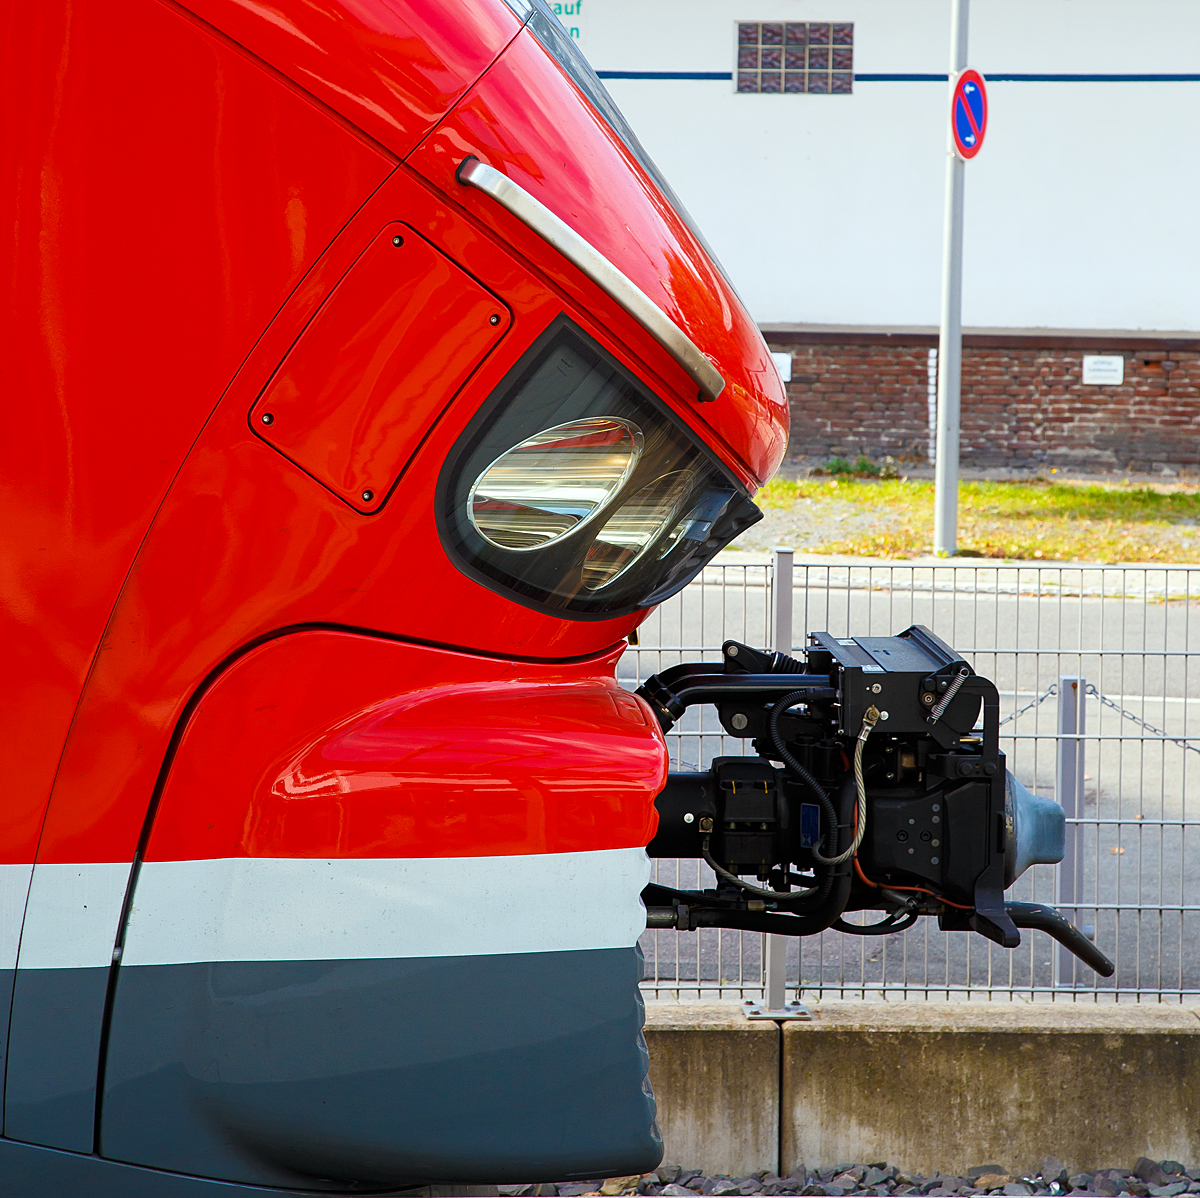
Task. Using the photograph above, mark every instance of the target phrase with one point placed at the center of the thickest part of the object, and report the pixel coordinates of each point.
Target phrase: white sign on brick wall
(1103, 370)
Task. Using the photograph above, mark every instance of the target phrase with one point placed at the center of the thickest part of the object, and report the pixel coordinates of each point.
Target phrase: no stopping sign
(968, 113)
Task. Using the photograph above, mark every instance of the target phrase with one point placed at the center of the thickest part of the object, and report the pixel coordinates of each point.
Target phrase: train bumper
(389, 936)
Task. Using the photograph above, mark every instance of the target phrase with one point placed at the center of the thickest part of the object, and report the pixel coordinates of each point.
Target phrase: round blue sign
(969, 113)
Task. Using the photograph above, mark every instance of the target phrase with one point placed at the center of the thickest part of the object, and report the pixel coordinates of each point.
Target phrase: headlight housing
(575, 490)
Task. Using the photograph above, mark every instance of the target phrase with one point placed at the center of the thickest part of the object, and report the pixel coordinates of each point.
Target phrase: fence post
(774, 948)
(1068, 790)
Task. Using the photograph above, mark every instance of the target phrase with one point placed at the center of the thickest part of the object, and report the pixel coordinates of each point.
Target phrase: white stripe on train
(299, 909)
(14, 890)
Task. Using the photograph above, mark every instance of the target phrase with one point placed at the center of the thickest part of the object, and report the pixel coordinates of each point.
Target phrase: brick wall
(1021, 406)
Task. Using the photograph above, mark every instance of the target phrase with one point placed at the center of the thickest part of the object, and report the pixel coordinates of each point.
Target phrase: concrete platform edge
(926, 1086)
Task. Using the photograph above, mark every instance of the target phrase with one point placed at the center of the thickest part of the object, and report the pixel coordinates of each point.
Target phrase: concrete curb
(926, 1087)
(716, 1077)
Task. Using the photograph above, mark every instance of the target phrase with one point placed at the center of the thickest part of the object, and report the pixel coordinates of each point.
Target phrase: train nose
(386, 928)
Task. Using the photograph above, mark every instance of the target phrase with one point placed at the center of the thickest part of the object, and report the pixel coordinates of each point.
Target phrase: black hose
(782, 663)
(733, 879)
(896, 922)
(816, 900)
(801, 901)
(787, 756)
(1054, 923)
(803, 923)
(761, 921)
(813, 899)
(835, 886)
(828, 904)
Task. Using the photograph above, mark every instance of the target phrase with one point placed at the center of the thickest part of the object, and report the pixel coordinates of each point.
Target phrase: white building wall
(1081, 209)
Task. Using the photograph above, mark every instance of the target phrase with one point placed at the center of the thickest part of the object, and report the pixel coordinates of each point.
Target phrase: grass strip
(1022, 520)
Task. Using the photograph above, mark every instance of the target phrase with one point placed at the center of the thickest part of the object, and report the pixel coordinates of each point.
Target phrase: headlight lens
(575, 490)
(631, 529)
(542, 489)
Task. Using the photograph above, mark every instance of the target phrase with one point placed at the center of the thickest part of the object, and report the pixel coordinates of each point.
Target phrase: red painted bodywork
(187, 188)
(377, 365)
(304, 748)
(390, 70)
(162, 197)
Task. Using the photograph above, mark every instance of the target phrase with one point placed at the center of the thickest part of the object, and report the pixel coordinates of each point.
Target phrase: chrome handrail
(579, 251)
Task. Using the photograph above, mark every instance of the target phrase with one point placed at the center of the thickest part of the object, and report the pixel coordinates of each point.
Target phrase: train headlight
(544, 488)
(576, 490)
(633, 528)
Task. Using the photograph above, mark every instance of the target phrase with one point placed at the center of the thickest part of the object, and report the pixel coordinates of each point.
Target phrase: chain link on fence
(1048, 693)
(1115, 647)
(1178, 740)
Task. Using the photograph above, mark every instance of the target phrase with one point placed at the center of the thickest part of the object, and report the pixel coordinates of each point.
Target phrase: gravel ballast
(1147, 1179)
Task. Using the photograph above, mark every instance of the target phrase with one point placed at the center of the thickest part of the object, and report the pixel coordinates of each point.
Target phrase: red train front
(365, 386)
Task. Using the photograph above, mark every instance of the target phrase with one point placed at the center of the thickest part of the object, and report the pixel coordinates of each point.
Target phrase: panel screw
(883, 715)
(876, 689)
(397, 240)
(268, 418)
(689, 818)
(739, 721)
(368, 496)
(927, 698)
(493, 319)
(933, 860)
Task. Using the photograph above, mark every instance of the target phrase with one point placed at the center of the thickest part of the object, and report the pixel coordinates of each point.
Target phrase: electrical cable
(722, 872)
(914, 889)
(870, 719)
(830, 902)
(784, 898)
(790, 760)
(828, 814)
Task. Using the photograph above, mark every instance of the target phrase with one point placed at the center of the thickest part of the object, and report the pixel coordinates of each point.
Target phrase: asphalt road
(1133, 635)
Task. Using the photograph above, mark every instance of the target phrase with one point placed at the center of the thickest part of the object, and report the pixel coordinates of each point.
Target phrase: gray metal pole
(1068, 790)
(781, 599)
(774, 948)
(945, 511)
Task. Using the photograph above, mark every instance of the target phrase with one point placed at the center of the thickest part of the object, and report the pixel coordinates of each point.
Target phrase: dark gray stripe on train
(33, 1171)
(53, 1056)
(7, 978)
(513, 1067)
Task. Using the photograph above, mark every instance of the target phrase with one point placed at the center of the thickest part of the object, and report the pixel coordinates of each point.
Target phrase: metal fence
(1098, 670)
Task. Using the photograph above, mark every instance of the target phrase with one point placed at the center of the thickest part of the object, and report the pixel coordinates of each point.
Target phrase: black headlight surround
(550, 580)
(531, 398)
